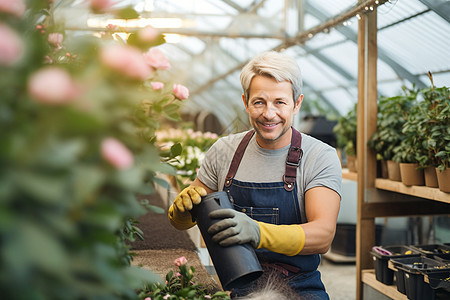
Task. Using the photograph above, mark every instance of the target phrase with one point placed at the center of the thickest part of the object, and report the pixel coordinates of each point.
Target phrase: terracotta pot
(411, 174)
(351, 163)
(443, 180)
(394, 170)
(431, 177)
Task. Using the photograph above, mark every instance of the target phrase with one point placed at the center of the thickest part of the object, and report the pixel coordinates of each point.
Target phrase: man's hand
(234, 228)
(188, 197)
(179, 214)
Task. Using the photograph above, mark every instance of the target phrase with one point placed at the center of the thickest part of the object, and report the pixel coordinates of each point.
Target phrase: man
(286, 185)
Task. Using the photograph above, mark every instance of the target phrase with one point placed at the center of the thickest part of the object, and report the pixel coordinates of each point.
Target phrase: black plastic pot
(237, 265)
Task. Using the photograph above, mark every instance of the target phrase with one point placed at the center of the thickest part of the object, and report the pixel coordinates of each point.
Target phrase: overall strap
(238, 157)
(293, 158)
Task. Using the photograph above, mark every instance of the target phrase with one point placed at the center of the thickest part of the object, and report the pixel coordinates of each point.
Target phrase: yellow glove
(179, 214)
(284, 239)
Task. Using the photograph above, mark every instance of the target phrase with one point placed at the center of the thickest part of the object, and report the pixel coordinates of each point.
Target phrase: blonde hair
(276, 65)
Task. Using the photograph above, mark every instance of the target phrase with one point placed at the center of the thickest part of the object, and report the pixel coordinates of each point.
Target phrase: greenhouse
(151, 149)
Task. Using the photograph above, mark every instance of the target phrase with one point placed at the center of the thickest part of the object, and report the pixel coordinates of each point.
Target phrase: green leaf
(176, 149)
(127, 13)
(46, 188)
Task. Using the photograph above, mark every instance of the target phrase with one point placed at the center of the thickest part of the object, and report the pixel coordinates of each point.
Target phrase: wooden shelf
(368, 277)
(418, 191)
(346, 174)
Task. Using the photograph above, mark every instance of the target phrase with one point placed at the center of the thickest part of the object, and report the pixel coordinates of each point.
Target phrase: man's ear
(245, 102)
(298, 103)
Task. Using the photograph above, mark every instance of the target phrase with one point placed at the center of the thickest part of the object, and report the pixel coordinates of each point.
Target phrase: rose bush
(180, 286)
(78, 117)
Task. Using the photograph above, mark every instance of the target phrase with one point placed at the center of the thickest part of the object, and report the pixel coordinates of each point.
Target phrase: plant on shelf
(345, 131)
(435, 133)
(435, 127)
(392, 114)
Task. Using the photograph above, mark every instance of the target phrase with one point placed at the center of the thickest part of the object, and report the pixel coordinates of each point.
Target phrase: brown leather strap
(238, 157)
(293, 158)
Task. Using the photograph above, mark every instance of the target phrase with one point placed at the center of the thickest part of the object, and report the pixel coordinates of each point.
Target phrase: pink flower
(55, 39)
(180, 261)
(156, 85)
(14, 7)
(112, 27)
(166, 296)
(114, 152)
(180, 91)
(11, 46)
(156, 59)
(148, 34)
(100, 5)
(126, 60)
(52, 85)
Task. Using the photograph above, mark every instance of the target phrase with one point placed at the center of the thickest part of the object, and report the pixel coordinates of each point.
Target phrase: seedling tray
(413, 269)
(433, 250)
(381, 259)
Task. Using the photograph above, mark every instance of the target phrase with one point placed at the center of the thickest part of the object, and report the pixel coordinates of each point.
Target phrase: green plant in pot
(407, 152)
(345, 131)
(392, 114)
(435, 127)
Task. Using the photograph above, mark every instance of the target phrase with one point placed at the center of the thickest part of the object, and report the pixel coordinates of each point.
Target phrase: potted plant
(410, 147)
(436, 127)
(345, 131)
(392, 114)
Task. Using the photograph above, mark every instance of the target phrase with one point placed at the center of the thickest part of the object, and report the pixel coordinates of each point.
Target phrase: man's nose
(269, 111)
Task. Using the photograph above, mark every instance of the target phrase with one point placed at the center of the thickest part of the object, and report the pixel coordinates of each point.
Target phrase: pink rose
(100, 5)
(14, 7)
(156, 59)
(126, 60)
(55, 39)
(52, 85)
(148, 34)
(180, 261)
(180, 91)
(11, 46)
(156, 85)
(116, 154)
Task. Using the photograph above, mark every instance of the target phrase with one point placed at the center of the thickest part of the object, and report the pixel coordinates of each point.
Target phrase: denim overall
(277, 203)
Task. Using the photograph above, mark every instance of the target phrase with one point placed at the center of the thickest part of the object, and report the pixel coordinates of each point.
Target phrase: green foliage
(414, 127)
(435, 128)
(66, 211)
(345, 130)
(392, 114)
(185, 150)
(180, 286)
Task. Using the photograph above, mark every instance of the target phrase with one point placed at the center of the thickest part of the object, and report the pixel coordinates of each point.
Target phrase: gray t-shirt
(320, 165)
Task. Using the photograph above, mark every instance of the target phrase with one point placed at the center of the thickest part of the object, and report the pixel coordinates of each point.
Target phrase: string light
(343, 19)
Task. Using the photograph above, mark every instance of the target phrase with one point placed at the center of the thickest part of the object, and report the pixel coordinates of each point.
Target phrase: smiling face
(271, 110)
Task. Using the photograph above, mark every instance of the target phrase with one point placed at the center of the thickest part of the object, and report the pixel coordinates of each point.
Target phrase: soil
(158, 233)
(162, 244)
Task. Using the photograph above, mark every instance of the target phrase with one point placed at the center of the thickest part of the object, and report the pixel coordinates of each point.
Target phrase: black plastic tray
(382, 272)
(412, 270)
(433, 250)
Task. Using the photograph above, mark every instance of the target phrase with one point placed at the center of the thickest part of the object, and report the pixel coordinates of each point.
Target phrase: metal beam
(382, 55)
(440, 7)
